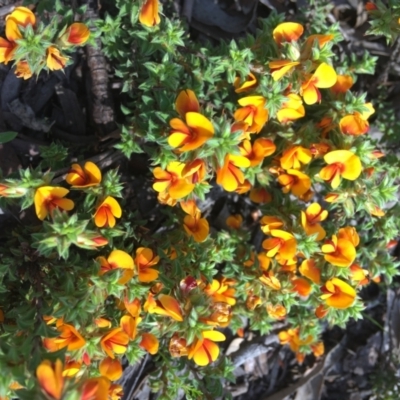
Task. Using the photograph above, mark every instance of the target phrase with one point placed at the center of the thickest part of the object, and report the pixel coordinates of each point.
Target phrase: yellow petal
(120, 259)
(324, 76)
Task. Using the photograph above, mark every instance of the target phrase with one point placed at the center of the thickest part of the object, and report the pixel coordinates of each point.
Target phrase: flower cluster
(284, 137)
(34, 47)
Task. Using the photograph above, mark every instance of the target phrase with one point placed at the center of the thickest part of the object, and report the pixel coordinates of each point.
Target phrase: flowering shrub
(270, 118)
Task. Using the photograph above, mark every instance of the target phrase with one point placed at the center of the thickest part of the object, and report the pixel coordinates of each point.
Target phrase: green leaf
(7, 136)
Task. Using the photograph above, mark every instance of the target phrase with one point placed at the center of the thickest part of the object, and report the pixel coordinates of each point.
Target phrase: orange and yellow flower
(311, 218)
(229, 176)
(341, 164)
(50, 378)
(149, 13)
(23, 70)
(268, 278)
(192, 134)
(164, 305)
(357, 123)
(89, 175)
(277, 311)
(248, 84)
(110, 368)
(20, 17)
(145, 259)
(196, 227)
(309, 269)
(287, 32)
(338, 251)
(323, 77)
(150, 343)
(257, 151)
(282, 243)
(172, 180)
(115, 341)
(77, 34)
(47, 198)
(69, 337)
(342, 85)
(280, 68)
(268, 222)
(291, 110)
(55, 60)
(260, 196)
(204, 350)
(253, 113)
(106, 213)
(295, 157)
(294, 181)
(302, 286)
(338, 294)
(116, 259)
(221, 291)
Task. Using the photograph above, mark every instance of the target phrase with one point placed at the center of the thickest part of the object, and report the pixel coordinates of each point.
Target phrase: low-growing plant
(270, 118)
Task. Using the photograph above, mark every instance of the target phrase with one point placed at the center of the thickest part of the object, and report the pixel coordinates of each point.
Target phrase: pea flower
(349, 233)
(323, 77)
(268, 278)
(311, 218)
(287, 32)
(172, 181)
(204, 350)
(47, 198)
(115, 341)
(110, 368)
(248, 84)
(69, 337)
(234, 221)
(71, 367)
(257, 151)
(195, 171)
(23, 70)
(302, 286)
(342, 85)
(295, 157)
(291, 109)
(95, 389)
(293, 339)
(253, 113)
(260, 195)
(294, 181)
(116, 259)
(339, 252)
(144, 260)
(20, 17)
(229, 176)
(221, 290)
(149, 13)
(338, 294)
(164, 305)
(309, 269)
(50, 378)
(280, 68)
(89, 175)
(277, 311)
(341, 163)
(55, 60)
(282, 243)
(106, 213)
(77, 34)
(186, 102)
(150, 343)
(192, 134)
(357, 123)
(269, 222)
(196, 227)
